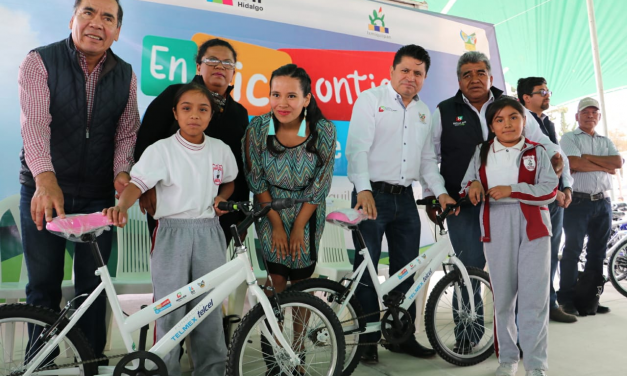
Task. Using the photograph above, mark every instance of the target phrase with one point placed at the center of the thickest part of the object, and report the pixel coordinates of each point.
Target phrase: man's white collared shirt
(391, 143)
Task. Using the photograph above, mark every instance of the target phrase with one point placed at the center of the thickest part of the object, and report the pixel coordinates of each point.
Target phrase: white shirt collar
(490, 99)
(497, 146)
(189, 145)
(396, 95)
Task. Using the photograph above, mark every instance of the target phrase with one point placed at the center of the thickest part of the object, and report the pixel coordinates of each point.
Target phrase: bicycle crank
(397, 325)
(141, 363)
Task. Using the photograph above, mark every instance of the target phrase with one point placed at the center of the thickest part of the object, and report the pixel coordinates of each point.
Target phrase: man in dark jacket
(215, 64)
(79, 123)
(534, 94)
(458, 125)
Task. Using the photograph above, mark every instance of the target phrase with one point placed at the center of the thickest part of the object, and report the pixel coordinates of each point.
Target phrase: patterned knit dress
(293, 173)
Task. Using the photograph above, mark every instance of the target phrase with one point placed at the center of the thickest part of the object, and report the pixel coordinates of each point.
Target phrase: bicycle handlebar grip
(229, 206)
(425, 202)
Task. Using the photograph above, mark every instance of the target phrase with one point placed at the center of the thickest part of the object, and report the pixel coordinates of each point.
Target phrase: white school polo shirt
(390, 142)
(186, 176)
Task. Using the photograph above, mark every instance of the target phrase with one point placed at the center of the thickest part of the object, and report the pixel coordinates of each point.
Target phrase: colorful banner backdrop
(346, 46)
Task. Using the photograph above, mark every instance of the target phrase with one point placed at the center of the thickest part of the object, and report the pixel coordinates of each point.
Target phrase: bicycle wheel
(617, 268)
(461, 337)
(351, 318)
(18, 348)
(309, 325)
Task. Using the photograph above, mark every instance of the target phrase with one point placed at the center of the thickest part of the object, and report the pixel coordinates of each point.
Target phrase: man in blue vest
(458, 126)
(79, 121)
(534, 94)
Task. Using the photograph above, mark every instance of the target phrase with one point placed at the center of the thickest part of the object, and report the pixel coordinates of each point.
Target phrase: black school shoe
(413, 348)
(603, 309)
(370, 356)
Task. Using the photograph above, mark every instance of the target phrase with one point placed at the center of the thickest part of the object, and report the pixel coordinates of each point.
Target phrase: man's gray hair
(472, 57)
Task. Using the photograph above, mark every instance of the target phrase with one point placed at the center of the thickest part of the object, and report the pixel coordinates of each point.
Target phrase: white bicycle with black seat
(303, 336)
(459, 329)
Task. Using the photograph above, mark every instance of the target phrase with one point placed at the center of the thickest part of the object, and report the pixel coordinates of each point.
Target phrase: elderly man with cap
(593, 158)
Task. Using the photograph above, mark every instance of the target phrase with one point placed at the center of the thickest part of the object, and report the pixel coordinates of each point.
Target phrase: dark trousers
(583, 217)
(465, 235)
(398, 220)
(45, 256)
(557, 219)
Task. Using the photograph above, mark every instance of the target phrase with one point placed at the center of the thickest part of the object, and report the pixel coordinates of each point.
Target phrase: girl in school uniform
(516, 178)
(192, 173)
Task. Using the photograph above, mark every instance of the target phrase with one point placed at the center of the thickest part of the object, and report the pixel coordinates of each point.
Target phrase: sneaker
(557, 315)
(535, 372)
(507, 369)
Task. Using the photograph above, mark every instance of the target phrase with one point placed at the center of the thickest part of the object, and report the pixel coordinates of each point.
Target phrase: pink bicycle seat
(78, 224)
(346, 217)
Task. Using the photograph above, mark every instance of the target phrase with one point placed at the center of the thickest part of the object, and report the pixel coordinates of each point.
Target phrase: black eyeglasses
(213, 62)
(543, 92)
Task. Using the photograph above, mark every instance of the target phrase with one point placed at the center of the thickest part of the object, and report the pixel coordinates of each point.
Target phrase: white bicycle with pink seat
(458, 328)
(302, 334)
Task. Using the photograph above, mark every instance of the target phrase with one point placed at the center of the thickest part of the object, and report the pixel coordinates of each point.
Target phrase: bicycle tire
(446, 344)
(20, 315)
(617, 268)
(328, 328)
(327, 290)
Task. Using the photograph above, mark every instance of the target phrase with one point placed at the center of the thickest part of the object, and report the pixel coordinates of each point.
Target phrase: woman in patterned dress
(290, 152)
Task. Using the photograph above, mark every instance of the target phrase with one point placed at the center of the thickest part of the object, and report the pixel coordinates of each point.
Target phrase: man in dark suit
(534, 94)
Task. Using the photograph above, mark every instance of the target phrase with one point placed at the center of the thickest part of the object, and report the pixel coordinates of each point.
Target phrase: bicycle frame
(429, 261)
(218, 283)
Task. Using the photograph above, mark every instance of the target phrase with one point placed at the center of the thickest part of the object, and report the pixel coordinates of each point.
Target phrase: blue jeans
(465, 235)
(397, 218)
(583, 217)
(45, 256)
(557, 219)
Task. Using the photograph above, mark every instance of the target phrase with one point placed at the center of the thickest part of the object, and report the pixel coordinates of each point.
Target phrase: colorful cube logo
(225, 2)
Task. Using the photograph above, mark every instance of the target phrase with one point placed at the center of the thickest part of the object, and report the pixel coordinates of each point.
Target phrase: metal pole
(597, 66)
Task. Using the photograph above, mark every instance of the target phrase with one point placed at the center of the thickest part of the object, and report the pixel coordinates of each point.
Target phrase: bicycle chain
(70, 365)
(361, 317)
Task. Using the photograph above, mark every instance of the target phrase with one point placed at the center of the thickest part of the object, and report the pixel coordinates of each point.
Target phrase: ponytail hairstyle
(494, 109)
(314, 115)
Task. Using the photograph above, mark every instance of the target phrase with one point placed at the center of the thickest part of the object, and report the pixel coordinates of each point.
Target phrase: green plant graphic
(377, 17)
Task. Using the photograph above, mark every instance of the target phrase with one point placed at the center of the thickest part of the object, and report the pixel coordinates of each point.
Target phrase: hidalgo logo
(459, 121)
(423, 118)
(470, 41)
(377, 28)
(383, 109)
(530, 162)
(205, 309)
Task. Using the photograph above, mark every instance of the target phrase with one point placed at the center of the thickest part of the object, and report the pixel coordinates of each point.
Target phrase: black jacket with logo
(461, 133)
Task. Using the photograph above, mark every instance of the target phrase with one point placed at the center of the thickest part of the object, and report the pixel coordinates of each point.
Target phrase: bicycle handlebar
(278, 204)
(436, 204)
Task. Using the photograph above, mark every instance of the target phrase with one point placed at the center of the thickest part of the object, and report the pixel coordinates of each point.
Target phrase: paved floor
(595, 345)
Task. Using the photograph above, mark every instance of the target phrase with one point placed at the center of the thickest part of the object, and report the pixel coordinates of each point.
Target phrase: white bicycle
(286, 334)
(459, 329)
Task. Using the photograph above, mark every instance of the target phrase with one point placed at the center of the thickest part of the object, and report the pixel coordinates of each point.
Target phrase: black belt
(591, 197)
(384, 187)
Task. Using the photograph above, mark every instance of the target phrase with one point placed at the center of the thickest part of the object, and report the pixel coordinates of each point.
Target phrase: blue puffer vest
(82, 154)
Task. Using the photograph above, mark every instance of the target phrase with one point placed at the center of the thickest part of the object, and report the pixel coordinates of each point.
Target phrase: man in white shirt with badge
(389, 147)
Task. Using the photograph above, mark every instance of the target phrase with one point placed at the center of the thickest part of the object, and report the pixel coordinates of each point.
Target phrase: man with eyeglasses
(534, 94)
(458, 126)
(593, 158)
